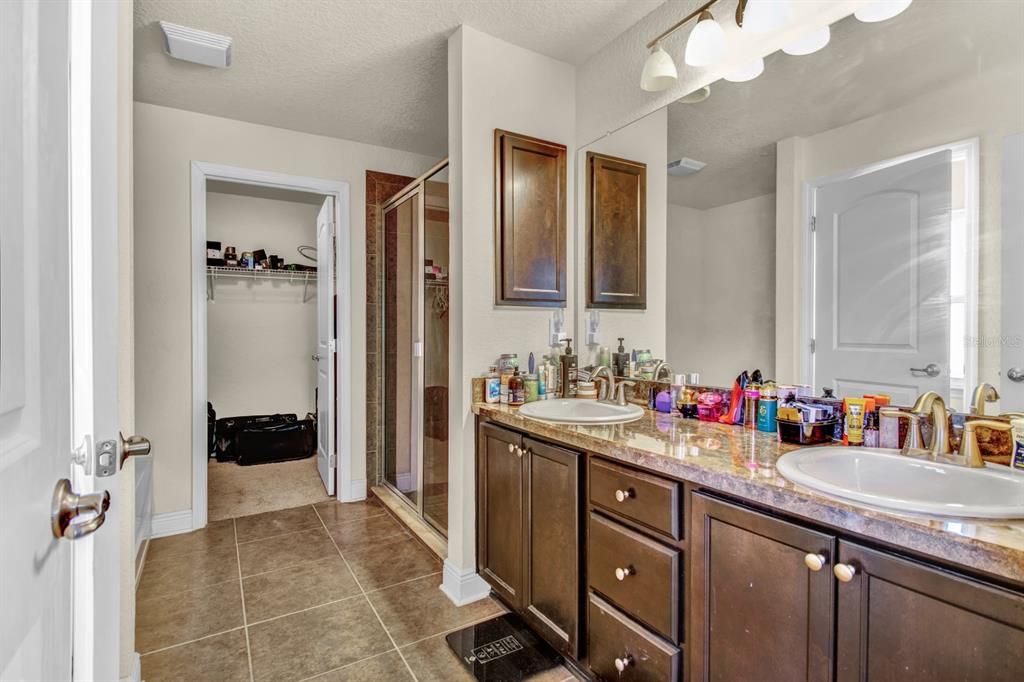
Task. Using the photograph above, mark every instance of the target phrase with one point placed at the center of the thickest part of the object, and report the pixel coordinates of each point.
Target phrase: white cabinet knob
(623, 573)
(623, 495)
(624, 662)
(844, 572)
(815, 562)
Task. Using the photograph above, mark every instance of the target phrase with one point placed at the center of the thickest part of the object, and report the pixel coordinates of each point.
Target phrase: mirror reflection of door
(883, 282)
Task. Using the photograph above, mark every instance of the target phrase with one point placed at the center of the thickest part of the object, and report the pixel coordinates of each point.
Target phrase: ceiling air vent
(193, 45)
(684, 166)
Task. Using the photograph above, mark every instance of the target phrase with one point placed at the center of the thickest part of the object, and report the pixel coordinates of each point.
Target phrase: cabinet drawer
(650, 500)
(639, 575)
(617, 642)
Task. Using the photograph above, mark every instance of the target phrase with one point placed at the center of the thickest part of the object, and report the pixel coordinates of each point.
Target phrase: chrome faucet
(984, 393)
(932, 403)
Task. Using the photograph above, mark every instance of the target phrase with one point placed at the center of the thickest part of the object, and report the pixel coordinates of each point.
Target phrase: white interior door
(58, 338)
(325, 344)
(881, 248)
(1011, 369)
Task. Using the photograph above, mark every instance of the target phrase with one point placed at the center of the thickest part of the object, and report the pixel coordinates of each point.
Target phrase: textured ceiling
(367, 70)
(866, 69)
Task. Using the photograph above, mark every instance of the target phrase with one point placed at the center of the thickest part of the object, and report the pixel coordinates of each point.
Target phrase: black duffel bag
(279, 443)
(228, 427)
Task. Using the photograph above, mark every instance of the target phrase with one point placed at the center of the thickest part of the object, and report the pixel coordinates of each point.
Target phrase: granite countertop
(741, 462)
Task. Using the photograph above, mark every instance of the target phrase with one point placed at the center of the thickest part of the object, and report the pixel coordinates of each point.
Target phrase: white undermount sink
(572, 411)
(887, 479)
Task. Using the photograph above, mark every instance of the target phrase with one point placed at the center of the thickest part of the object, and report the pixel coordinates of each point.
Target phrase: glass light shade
(747, 72)
(812, 42)
(706, 44)
(881, 10)
(762, 16)
(659, 71)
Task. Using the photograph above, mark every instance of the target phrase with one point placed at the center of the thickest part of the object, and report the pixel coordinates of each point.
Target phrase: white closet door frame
(347, 490)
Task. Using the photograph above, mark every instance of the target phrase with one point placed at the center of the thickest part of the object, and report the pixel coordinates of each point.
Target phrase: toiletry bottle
(542, 382)
(531, 386)
(568, 371)
(516, 390)
(492, 390)
(751, 396)
(620, 360)
(767, 409)
(1017, 455)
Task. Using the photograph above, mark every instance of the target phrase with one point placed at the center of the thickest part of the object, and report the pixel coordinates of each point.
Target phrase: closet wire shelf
(214, 272)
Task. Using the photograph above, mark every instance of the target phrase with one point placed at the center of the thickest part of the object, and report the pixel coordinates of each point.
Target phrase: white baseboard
(463, 586)
(356, 491)
(135, 674)
(172, 523)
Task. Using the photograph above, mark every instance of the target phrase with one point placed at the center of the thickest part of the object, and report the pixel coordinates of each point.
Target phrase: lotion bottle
(568, 371)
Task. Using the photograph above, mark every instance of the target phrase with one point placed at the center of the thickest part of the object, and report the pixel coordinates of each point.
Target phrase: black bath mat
(502, 649)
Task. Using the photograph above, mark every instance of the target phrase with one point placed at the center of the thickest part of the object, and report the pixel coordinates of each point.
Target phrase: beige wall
(721, 274)
(491, 84)
(987, 106)
(166, 141)
(645, 141)
(260, 334)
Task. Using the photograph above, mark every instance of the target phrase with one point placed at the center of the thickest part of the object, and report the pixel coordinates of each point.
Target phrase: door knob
(1015, 374)
(67, 507)
(815, 562)
(844, 572)
(931, 369)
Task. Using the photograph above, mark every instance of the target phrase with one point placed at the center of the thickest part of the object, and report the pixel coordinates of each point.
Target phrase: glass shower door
(401, 333)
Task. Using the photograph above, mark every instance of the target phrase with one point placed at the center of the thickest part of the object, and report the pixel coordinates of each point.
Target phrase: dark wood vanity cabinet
(757, 611)
(528, 539)
(529, 221)
(899, 619)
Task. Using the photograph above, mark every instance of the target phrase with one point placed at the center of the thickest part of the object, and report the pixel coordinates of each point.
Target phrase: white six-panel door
(881, 291)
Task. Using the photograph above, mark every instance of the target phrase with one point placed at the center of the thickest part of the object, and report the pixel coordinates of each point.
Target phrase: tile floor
(327, 591)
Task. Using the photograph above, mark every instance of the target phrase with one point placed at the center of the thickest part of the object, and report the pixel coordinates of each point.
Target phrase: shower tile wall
(379, 188)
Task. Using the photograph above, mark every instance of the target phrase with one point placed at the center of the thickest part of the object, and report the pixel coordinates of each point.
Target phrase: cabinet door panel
(757, 612)
(900, 620)
(553, 585)
(501, 530)
(616, 233)
(530, 205)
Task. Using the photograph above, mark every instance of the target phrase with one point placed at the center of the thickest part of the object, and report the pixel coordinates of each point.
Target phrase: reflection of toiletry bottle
(516, 390)
(751, 396)
(620, 360)
(1017, 455)
(568, 371)
(542, 382)
(492, 391)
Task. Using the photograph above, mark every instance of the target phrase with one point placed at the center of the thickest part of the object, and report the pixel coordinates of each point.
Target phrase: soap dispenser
(568, 371)
(620, 360)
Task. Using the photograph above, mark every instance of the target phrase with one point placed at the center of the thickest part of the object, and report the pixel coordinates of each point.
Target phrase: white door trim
(201, 172)
(970, 149)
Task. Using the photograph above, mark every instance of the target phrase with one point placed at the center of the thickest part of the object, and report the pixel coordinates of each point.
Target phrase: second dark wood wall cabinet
(616, 233)
(529, 221)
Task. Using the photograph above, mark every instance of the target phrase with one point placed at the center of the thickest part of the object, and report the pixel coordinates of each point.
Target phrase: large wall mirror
(850, 219)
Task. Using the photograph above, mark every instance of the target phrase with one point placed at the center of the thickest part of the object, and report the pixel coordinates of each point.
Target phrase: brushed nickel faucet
(607, 392)
(984, 393)
(662, 368)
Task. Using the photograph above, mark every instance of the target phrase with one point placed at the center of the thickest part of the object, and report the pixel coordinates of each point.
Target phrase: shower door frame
(416, 188)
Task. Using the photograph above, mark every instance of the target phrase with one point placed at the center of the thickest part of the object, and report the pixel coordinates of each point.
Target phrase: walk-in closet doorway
(415, 339)
(308, 304)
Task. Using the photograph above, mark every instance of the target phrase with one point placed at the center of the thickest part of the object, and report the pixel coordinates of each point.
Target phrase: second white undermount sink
(573, 411)
(887, 479)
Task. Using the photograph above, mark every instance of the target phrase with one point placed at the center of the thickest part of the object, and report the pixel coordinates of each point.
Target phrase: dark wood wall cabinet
(671, 581)
(528, 538)
(616, 233)
(529, 221)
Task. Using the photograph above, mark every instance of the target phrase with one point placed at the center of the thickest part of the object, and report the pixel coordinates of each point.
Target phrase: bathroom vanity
(669, 549)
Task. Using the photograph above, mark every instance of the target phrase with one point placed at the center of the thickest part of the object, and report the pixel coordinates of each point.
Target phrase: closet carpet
(235, 490)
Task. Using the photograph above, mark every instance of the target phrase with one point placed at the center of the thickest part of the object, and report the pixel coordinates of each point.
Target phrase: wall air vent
(684, 166)
(193, 45)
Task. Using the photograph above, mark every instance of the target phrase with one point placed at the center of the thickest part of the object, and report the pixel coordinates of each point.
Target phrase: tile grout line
(241, 590)
(191, 641)
(320, 524)
(348, 665)
(369, 603)
(308, 608)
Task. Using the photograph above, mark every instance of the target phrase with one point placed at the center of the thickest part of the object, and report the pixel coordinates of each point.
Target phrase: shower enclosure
(415, 321)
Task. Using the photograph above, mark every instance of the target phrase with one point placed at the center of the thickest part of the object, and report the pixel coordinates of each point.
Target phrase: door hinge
(332, 461)
(333, 345)
(813, 346)
(814, 223)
